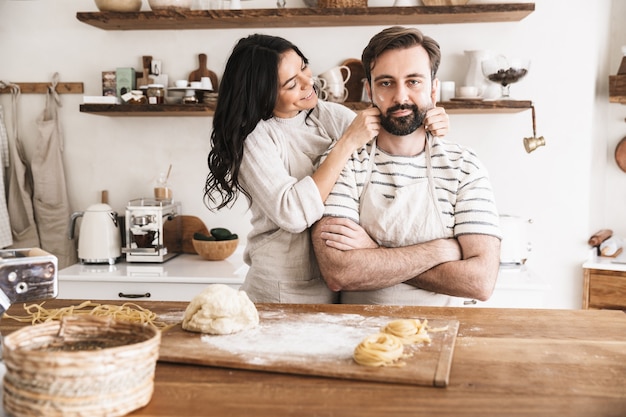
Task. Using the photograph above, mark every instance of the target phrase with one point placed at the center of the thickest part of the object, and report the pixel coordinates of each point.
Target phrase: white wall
(570, 188)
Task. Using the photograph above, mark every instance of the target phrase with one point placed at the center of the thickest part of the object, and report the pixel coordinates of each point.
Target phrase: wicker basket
(444, 2)
(329, 4)
(80, 366)
(215, 250)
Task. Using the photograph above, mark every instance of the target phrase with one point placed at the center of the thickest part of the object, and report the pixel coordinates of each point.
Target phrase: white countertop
(608, 264)
(184, 268)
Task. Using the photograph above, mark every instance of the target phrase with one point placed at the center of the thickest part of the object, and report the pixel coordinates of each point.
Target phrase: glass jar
(155, 93)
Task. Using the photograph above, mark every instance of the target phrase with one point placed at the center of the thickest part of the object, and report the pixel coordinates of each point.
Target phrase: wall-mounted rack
(42, 88)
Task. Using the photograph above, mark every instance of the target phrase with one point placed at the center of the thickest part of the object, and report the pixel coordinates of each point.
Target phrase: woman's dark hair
(247, 94)
(398, 37)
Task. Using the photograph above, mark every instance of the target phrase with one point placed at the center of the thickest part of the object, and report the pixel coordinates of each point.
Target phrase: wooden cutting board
(189, 225)
(355, 82)
(313, 344)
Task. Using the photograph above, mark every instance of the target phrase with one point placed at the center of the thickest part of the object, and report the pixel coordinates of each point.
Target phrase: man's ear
(433, 93)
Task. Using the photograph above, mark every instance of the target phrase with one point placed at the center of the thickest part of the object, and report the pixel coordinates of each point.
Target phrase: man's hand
(344, 234)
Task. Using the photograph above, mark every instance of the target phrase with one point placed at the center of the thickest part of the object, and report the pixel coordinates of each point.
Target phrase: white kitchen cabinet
(517, 287)
(178, 279)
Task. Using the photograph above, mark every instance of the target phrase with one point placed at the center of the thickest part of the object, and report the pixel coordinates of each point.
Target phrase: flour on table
(326, 336)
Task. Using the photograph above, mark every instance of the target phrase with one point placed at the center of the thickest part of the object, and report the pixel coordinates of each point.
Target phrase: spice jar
(137, 97)
(155, 93)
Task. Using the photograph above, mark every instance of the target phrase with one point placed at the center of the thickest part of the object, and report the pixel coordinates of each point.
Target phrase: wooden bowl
(118, 5)
(444, 2)
(215, 250)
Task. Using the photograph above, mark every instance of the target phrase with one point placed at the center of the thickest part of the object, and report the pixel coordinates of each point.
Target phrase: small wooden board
(319, 344)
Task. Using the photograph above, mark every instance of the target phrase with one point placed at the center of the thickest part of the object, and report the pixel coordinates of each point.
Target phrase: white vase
(474, 76)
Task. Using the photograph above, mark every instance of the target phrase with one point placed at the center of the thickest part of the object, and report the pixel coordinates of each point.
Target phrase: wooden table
(506, 362)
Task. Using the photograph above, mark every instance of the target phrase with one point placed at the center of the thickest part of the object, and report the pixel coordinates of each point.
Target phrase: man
(426, 204)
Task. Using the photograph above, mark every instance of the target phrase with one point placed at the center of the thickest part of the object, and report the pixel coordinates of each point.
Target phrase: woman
(269, 131)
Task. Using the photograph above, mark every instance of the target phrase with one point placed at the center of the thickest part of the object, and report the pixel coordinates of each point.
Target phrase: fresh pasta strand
(127, 312)
(380, 349)
(409, 331)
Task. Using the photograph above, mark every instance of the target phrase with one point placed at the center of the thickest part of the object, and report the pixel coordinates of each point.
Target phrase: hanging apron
(412, 216)
(6, 237)
(20, 188)
(50, 201)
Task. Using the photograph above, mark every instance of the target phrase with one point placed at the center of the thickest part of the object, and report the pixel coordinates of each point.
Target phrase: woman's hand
(437, 121)
(363, 128)
(344, 234)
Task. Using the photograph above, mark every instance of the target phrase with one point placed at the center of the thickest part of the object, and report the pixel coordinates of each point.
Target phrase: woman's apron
(283, 269)
(50, 201)
(412, 216)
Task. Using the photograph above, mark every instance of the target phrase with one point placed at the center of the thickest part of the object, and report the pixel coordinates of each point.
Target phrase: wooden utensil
(620, 154)
(203, 71)
(145, 79)
(189, 225)
(355, 83)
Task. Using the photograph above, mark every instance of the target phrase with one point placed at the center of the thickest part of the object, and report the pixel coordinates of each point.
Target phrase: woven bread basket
(79, 366)
(329, 4)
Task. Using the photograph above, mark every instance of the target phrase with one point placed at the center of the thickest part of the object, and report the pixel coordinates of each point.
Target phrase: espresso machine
(153, 230)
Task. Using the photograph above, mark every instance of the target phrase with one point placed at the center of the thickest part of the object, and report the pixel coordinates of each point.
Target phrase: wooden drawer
(604, 289)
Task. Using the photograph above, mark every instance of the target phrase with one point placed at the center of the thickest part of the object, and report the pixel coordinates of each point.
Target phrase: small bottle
(155, 93)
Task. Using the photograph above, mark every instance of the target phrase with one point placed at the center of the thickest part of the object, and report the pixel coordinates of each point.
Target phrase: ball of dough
(220, 309)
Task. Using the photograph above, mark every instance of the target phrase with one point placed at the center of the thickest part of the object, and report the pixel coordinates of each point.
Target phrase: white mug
(335, 75)
(206, 83)
(336, 93)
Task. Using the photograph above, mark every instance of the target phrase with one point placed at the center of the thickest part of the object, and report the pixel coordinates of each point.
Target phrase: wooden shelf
(306, 17)
(161, 110)
(617, 88)
(148, 110)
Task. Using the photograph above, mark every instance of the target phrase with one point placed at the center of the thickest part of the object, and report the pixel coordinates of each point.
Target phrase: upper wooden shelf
(206, 110)
(306, 17)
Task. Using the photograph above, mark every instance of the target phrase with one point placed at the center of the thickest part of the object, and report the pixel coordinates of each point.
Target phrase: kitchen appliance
(100, 238)
(26, 275)
(153, 230)
(516, 246)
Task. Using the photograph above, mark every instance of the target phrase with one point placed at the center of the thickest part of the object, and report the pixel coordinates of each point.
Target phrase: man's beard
(405, 125)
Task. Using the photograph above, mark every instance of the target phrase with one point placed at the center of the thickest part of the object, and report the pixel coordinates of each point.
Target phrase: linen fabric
(280, 156)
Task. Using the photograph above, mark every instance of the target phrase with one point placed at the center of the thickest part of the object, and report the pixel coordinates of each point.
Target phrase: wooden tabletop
(506, 362)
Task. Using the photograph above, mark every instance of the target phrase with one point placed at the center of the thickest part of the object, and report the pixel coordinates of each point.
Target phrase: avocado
(221, 233)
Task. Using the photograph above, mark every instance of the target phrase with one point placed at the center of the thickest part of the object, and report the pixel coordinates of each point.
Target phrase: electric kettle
(100, 239)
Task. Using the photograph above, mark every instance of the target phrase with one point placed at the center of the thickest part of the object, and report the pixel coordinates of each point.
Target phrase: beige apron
(20, 189)
(412, 216)
(283, 269)
(50, 201)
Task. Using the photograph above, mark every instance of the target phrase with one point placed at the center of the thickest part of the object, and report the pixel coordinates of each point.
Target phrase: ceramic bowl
(215, 250)
(170, 4)
(118, 5)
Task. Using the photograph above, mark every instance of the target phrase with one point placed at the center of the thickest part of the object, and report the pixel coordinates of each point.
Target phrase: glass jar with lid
(155, 93)
(137, 97)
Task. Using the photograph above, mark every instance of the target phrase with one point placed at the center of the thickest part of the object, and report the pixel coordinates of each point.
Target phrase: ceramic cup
(195, 84)
(206, 83)
(336, 75)
(180, 83)
(337, 93)
(468, 91)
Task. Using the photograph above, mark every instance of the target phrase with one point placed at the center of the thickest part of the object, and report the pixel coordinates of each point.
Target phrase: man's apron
(412, 216)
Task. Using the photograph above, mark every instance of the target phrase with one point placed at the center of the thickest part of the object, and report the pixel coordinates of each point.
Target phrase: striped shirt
(462, 187)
